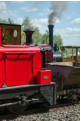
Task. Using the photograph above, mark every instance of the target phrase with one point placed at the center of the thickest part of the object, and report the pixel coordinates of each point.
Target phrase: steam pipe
(51, 34)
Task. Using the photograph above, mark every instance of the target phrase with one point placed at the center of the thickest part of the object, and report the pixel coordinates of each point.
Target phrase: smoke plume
(57, 9)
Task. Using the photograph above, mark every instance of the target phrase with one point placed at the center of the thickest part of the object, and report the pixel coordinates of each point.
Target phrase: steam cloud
(57, 9)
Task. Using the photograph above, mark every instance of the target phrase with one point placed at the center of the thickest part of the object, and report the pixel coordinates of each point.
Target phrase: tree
(10, 21)
(58, 40)
(23, 36)
(45, 38)
(37, 36)
(3, 21)
(27, 24)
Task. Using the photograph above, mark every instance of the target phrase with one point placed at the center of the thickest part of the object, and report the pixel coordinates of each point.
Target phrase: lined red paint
(19, 65)
(44, 76)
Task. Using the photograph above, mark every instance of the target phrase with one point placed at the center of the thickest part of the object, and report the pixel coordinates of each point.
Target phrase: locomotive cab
(10, 34)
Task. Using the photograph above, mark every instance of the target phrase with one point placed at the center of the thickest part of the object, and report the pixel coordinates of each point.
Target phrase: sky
(68, 26)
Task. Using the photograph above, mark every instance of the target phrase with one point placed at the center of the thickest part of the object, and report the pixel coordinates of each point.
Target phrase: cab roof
(19, 48)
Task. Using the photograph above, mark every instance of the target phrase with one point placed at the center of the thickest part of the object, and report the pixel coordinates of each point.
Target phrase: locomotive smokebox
(51, 34)
(28, 36)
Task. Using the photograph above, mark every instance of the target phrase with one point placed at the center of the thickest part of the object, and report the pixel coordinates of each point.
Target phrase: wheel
(18, 109)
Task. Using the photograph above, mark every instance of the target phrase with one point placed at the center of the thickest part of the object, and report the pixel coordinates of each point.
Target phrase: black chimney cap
(28, 30)
(50, 25)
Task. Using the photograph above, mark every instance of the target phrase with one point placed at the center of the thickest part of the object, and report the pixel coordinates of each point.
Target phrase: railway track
(63, 105)
(33, 109)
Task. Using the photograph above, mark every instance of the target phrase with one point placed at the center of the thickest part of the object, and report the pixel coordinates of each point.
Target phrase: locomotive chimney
(28, 36)
(51, 34)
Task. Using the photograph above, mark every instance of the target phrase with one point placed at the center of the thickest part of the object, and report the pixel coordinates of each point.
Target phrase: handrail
(19, 52)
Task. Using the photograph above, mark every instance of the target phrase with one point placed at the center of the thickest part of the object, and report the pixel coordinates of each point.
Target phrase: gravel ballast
(67, 113)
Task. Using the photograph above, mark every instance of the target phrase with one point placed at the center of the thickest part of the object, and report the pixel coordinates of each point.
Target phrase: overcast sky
(68, 26)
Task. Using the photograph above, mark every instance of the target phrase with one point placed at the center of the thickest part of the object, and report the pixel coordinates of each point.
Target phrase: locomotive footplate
(27, 93)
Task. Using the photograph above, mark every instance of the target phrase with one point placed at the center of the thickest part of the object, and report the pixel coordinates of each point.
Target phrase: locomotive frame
(18, 94)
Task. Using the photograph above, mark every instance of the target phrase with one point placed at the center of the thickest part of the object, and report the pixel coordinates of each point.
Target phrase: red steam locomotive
(23, 75)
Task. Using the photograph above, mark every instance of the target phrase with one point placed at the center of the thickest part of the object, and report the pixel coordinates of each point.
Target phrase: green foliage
(37, 36)
(45, 38)
(23, 37)
(9, 21)
(58, 40)
(27, 24)
(3, 21)
(68, 52)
